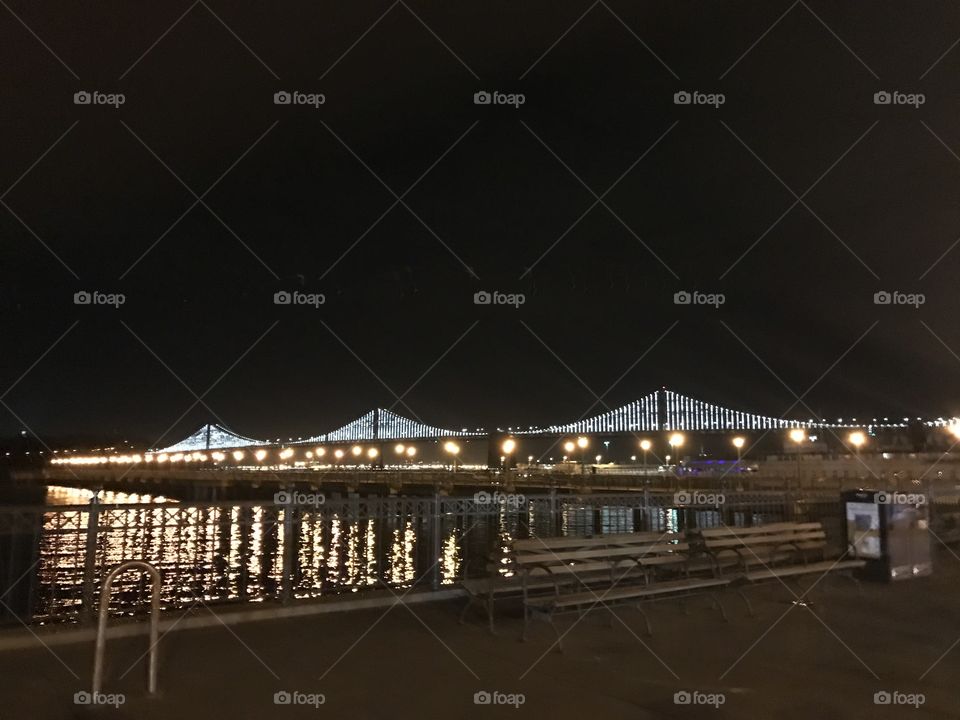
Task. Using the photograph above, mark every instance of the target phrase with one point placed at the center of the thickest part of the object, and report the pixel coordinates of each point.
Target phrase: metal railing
(259, 551)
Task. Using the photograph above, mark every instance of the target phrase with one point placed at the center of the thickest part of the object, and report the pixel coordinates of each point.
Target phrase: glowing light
(739, 442)
(218, 456)
(338, 453)
(645, 445)
(372, 453)
(451, 447)
(309, 454)
(676, 440)
(569, 446)
(798, 435)
(411, 451)
(399, 448)
(356, 450)
(238, 455)
(857, 439)
(260, 455)
(509, 445)
(286, 453)
(582, 442)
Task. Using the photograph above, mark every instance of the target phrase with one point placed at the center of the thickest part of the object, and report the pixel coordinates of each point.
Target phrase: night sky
(298, 198)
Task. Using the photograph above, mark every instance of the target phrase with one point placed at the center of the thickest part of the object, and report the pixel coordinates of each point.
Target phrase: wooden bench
(520, 571)
(779, 551)
(635, 567)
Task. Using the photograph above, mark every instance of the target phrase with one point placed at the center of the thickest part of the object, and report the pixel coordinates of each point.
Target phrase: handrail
(154, 623)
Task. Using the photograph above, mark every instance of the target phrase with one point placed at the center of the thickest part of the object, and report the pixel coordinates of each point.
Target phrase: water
(234, 551)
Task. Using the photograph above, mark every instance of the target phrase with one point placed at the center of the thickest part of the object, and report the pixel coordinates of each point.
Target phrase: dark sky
(799, 111)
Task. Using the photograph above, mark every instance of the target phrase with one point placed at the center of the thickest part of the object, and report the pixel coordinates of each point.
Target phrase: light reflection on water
(226, 552)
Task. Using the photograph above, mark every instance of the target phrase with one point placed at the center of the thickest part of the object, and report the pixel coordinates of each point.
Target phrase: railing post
(89, 599)
(435, 533)
(289, 546)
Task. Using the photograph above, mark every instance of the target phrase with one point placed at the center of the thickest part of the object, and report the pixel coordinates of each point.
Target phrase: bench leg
(646, 619)
(746, 600)
(719, 606)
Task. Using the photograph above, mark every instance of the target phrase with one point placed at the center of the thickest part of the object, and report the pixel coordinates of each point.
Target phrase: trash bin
(888, 529)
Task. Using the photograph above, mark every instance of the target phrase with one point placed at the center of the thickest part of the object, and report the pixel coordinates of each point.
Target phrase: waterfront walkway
(418, 662)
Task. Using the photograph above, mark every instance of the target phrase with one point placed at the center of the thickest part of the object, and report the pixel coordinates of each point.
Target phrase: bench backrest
(804, 536)
(650, 547)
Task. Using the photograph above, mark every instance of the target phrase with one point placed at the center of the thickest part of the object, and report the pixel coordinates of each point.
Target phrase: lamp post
(798, 436)
(508, 446)
(645, 445)
(857, 438)
(452, 448)
(676, 442)
(582, 443)
(738, 443)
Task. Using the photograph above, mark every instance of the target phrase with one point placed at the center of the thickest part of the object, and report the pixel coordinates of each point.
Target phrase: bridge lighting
(286, 453)
(238, 455)
(356, 450)
(260, 455)
(372, 453)
(399, 448)
(569, 446)
(582, 442)
(509, 445)
(645, 445)
(798, 435)
(411, 451)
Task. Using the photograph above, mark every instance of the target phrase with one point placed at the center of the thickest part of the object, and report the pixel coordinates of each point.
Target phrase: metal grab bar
(154, 622)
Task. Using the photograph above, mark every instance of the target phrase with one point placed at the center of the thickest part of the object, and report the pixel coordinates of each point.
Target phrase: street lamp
(356, 450)
(738, 443)
(857, 439)
(411, 451)
(645, 445)
(798, 436)
(569, 446)
(452, 448)
(582, 443)
(676, 442)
